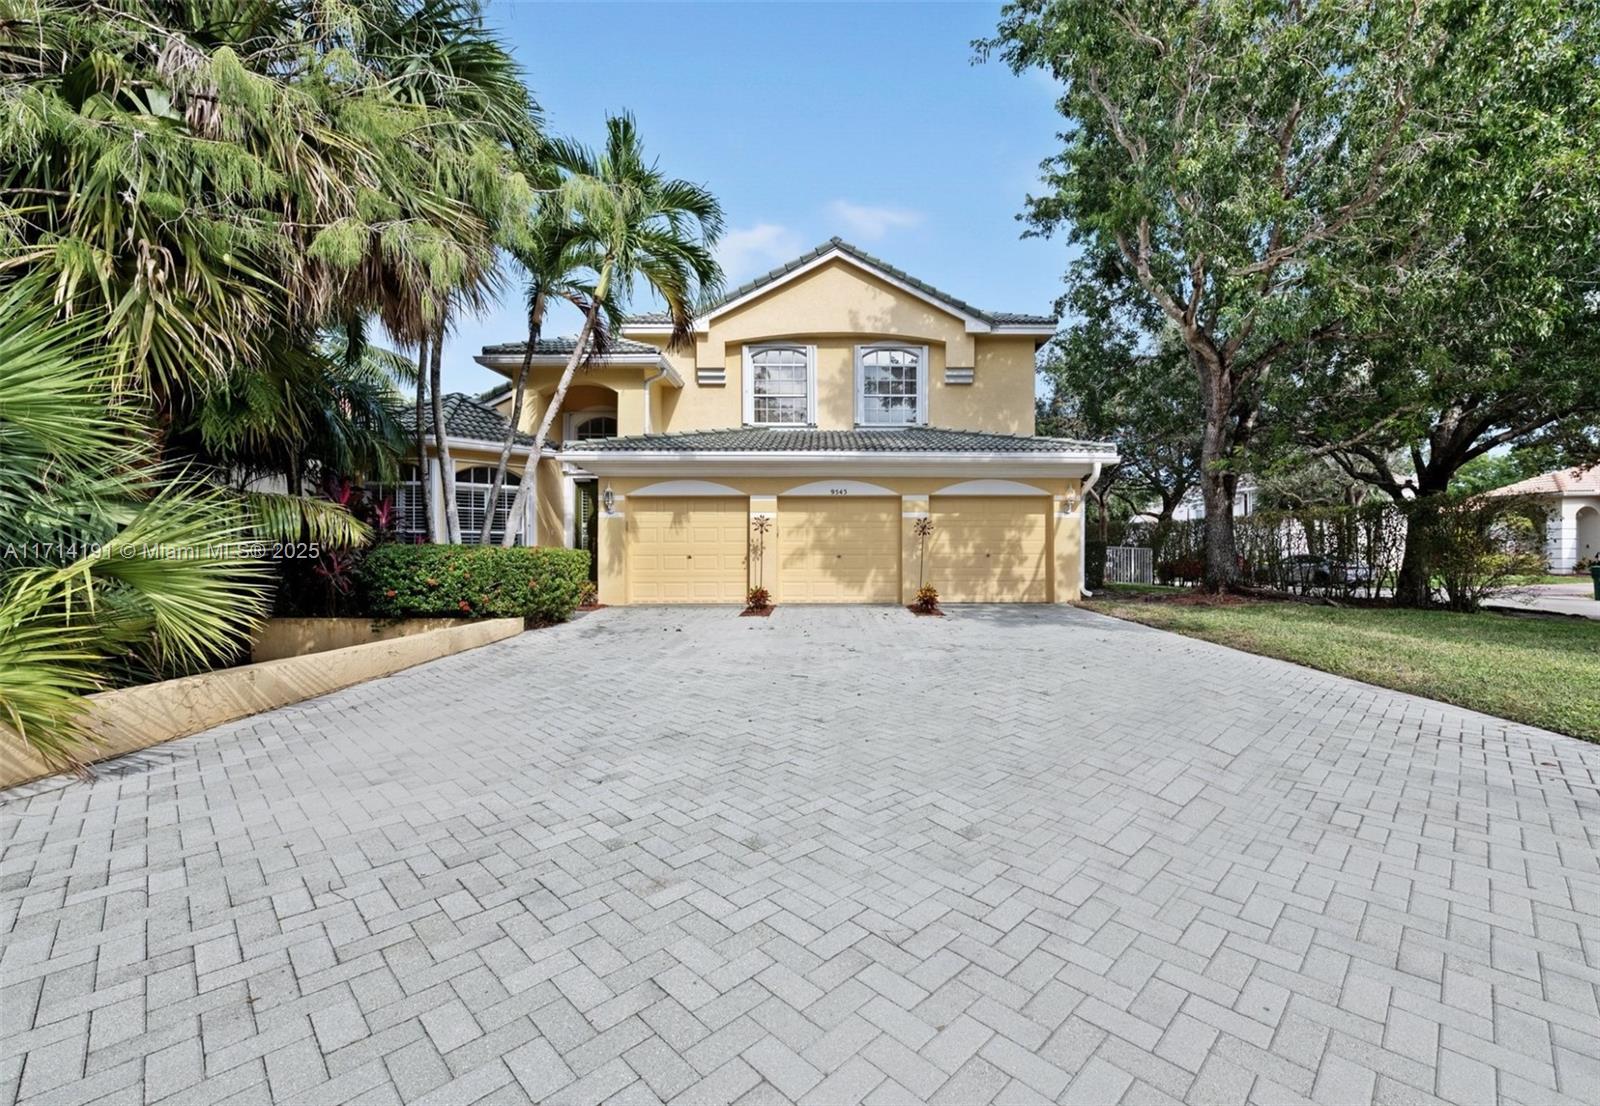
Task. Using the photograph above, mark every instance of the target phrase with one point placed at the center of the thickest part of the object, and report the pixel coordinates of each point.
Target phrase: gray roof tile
(564, 346)
(998, 318)
(917, 439)
(465, 417)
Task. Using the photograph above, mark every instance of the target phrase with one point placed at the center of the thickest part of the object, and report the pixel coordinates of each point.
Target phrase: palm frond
(277, 517)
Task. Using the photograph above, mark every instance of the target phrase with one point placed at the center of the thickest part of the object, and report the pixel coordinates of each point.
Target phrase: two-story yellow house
(838, 398)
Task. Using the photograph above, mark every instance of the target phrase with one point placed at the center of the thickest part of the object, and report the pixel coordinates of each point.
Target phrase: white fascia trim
(512, 362)
(1034, 329)
(478, 443)
(828, 463)
(974, 324)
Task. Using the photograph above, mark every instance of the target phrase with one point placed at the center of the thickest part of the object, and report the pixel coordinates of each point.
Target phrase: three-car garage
(840, 549)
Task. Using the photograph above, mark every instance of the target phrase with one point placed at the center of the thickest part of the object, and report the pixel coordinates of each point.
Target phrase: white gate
(1130, 564)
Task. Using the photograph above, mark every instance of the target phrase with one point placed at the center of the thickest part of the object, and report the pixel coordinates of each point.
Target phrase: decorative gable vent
(710, 377)
(954, 375)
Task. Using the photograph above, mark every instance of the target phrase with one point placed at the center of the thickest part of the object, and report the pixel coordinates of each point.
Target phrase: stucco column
(765, 571)
(612, 551)
(913, 508)
(1068, 546)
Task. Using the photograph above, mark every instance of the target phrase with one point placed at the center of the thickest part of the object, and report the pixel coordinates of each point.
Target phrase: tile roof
(564, 346)
(465, 417)
(996, 318)
(1560, 482)
(913, 439)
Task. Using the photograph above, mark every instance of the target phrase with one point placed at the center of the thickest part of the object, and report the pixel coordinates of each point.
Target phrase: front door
(588, 535)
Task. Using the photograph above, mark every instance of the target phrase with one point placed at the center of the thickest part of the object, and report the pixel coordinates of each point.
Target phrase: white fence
(1130, 564)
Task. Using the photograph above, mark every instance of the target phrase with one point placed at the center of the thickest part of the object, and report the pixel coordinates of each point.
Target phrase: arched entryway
(1588, 534)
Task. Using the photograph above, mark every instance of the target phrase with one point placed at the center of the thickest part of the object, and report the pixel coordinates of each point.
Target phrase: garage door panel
(990, 550)
(838, 550)
(687, 550)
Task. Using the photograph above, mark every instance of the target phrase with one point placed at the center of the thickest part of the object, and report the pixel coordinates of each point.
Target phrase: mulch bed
(936, 613)
(757, 612)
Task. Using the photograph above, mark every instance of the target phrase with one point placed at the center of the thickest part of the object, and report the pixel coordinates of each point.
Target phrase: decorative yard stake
(759, 598)
(927, 601)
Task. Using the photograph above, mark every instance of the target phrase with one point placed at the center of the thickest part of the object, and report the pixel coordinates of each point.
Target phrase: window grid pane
(779, 379)
(889, 387)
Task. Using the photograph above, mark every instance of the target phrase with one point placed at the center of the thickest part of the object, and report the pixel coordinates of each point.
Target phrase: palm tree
(127, 570)
(642, 226)
(555, 257)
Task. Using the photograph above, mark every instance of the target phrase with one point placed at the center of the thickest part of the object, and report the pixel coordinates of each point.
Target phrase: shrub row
(1094, 567)
(472, 581)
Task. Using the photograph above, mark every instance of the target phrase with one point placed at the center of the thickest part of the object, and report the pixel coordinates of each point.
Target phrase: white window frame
(749, 382)
(477, 495)
(572, 418)
(861, 382)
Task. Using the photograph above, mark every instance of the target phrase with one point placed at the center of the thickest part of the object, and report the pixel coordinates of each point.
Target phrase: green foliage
(472, 581)
(1473, 545)
(1094, 565)
(114, 569)
(1368, 226)
(212, 182)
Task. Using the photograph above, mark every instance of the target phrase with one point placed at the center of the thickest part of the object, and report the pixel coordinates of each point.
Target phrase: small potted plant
(927, 601)
(758, 601)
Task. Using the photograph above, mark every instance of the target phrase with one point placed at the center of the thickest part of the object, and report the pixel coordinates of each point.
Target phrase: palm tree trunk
(441, 440)
(424, 477)
(531, 470)
(519, 388)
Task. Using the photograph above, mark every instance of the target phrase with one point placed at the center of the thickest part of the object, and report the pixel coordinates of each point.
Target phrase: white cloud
(871, 222)
(747, 251)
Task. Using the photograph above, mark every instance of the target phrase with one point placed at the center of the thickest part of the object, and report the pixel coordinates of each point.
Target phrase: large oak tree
(1274, 176)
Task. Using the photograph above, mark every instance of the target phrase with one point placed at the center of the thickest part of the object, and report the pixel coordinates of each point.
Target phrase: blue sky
(807, 120)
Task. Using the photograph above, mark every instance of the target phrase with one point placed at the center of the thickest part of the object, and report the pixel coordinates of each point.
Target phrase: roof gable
(976, 319)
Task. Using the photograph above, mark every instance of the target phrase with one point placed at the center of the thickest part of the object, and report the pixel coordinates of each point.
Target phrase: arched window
(472, 499)
(778, 385)
(892, 383)
(586, 428)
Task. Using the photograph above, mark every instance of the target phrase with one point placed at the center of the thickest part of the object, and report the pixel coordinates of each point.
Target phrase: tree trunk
(1217, 481)
(530, 472)
(441, 440)
(519, 389)
(424, 477)
(1413, 585)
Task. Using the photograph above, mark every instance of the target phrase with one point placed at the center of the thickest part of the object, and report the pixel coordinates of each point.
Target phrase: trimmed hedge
(472, 581)
(1094, 568)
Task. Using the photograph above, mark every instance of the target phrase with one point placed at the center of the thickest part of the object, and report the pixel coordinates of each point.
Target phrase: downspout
(661, 370)
(1083, 527)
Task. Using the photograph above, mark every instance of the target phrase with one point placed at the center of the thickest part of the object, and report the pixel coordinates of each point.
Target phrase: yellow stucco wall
(836, 308)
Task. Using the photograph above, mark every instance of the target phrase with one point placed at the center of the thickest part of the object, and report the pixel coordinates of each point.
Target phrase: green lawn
(1545, 672)
(1546, 578)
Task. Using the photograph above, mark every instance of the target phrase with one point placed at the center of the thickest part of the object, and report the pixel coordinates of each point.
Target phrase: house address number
(838, 491)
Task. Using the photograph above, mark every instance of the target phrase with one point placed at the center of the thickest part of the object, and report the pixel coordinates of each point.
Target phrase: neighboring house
(1572, 533)
(1193, 505)
(842, 400)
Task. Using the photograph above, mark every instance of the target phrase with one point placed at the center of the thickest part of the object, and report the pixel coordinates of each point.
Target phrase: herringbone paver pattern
(837, 856)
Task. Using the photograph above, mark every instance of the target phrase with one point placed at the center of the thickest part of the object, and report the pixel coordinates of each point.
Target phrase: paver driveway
(840, 855)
